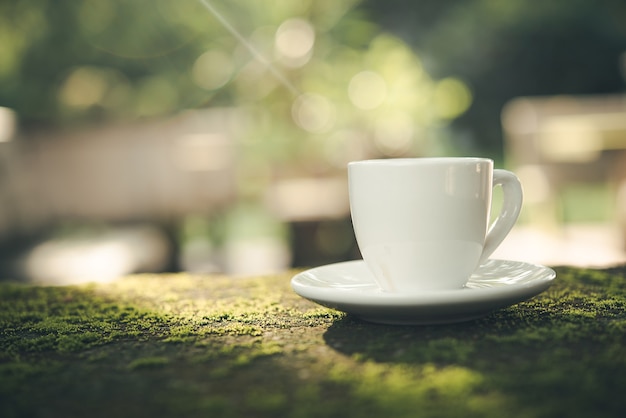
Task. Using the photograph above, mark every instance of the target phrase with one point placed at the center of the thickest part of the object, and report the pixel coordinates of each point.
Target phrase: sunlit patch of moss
(237, 354)
(68, 320)
(225, 362)
(78, 341)
(323, 313)
(237, 329)
(179, 333)
(399, 389)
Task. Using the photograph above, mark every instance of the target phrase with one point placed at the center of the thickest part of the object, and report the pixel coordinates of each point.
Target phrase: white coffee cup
(421, 223)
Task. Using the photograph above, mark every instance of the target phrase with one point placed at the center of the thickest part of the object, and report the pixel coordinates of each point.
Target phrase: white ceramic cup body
(422, 223)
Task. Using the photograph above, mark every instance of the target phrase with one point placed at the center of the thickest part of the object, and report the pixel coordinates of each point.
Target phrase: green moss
(265, 400)
(181, 345)
(148, 362)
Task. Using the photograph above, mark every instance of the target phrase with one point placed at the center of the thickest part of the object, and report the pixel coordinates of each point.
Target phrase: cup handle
(511, 207)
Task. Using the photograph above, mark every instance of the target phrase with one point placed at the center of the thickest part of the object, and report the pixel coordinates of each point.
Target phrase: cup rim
(421, 161)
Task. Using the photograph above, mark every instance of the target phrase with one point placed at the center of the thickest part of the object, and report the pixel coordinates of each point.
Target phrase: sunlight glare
(250, 46)
(60, 263)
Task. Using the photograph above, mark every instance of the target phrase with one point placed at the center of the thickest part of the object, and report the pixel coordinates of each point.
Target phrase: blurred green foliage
(509, 48)
(422, 64)
(313, 78)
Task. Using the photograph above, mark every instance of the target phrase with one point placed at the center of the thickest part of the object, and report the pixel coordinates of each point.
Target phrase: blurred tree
(316, 80)
(509, 48)
(67, 60)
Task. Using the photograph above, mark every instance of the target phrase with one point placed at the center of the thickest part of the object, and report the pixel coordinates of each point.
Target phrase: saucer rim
(507, 293)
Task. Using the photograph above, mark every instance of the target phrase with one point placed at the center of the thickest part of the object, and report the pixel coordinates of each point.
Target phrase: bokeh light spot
(313, 113)
(367, 90)
(84, 87)
(451, 98)
(212, 70)
(294, 42)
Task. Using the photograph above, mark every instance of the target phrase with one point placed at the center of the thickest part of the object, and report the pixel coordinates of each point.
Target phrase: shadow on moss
(561, 353)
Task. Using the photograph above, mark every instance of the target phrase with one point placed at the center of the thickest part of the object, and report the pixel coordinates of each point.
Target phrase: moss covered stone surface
(206, 346)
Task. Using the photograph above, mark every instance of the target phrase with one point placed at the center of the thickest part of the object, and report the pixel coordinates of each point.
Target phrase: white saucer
(350, 287)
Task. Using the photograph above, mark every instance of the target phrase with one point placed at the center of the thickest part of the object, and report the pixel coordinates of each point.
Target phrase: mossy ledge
(185, 345)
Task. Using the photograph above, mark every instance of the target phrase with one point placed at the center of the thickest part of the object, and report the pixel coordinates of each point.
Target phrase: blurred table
(185, 346)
